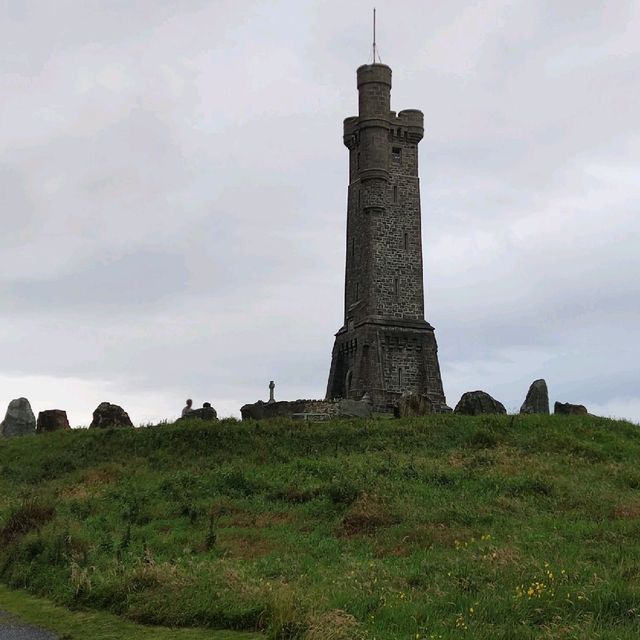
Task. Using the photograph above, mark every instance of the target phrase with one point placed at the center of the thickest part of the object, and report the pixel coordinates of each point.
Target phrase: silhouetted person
(187, 410)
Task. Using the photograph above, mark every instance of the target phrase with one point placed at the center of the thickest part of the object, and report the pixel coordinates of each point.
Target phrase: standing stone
(568, 409)
(109, 415)
(52, 420)
(537, 400)
(474, 403)
(19, 419)
(412, 405)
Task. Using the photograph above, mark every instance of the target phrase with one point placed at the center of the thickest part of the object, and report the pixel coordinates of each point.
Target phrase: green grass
(79, 625)
(493, 527)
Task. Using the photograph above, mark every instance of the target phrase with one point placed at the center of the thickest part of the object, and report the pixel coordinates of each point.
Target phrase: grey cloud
(17, 210)
(185, 165)
(135, 280)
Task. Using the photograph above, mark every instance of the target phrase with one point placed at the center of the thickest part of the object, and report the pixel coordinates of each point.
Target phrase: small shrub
(630, 479)
(442, 479)
(126, 539)
(283, 617)
(343, 492)
(234, 482)
(530, 486)
(80, 580)
(58, 466)
(366, 515)
(294, 495)
(419, 581)
(147, 575)
(211, 538)
(81, 509)
(333, 625)
(588, 452)
(192, 512)
(29, 515)
(30, 549)
(482, 439)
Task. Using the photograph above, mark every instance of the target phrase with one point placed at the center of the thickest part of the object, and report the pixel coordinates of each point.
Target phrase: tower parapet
(385, 347)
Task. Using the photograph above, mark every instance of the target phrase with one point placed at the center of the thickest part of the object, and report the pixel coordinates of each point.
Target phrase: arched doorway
(347, 383)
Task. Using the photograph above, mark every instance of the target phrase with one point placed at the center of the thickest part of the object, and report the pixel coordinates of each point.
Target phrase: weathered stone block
(537, 400)
(568, 409)
(109, 415)
(19, 419)
(52, 420)
(474, 403)
(412, 405)
(354, 409)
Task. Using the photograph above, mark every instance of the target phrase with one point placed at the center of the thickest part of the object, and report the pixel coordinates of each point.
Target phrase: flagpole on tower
(374, 38)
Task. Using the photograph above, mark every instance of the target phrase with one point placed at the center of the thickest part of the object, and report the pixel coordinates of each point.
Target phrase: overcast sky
(173, 196)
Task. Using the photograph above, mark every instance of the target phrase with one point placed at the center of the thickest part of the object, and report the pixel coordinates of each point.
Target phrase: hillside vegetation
(494, 527)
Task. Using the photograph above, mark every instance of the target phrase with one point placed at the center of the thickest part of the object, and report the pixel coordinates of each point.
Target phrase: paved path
(12, 629)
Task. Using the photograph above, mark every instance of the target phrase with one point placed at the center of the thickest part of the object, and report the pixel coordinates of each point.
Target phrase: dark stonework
(474, 403)
(109, 415)
(411, 405)
(287, 409)
(52, 420)
(308, 409)
(263, 410)
(385, 347)
(566, 408)
(354, 409)
(537, 400)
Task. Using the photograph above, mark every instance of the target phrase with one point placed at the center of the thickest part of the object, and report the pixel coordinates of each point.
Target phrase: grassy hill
(440, 527)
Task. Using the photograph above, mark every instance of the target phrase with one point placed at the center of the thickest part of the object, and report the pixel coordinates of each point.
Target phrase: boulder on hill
(19, 419)
(109, 415)
(568, 409)
(205, 413)
(537, 400)
(474, 403)
(411, 405)
(52, 420)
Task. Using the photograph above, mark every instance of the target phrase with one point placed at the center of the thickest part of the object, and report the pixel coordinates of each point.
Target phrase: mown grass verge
(81, 625)
(493, 527)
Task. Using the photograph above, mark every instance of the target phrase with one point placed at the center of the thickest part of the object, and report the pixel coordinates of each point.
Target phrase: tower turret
(385, 347)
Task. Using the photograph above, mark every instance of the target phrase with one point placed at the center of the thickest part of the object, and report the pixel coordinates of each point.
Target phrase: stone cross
(272, 386)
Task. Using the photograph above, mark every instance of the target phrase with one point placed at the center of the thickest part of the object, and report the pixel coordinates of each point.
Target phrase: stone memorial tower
(385, 347)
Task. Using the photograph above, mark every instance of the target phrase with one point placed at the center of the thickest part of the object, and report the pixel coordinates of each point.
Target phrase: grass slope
(442, 527)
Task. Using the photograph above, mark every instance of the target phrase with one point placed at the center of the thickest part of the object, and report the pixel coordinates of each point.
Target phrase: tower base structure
(386, 360)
